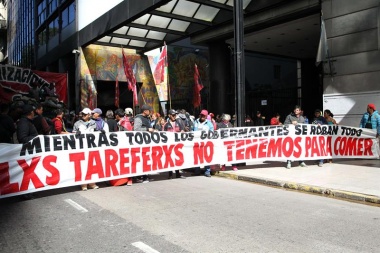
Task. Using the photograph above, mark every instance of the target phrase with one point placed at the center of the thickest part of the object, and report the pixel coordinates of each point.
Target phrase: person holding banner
(85, 125)
(275, 120)
(58, 123)
(7, 125)
(295, 118)
(101, 125)
(202, 124)
(142, 123)
(126, 122)
(174, 125)
(40, 122)
(319, 120)
(225, 123)
(26, 131)
(371, 119)
(160, 124)
(110, 119)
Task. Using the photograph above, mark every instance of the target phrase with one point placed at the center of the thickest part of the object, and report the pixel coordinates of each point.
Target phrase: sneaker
(180, 176)
(320, 164)
(84, 188)
(145, 181)
(289, 165)
(303, 164)
(93, 186)
(234, 168)
(129, 183)
(208, 174)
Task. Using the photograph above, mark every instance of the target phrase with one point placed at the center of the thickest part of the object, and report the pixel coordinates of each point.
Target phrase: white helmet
(128, 111)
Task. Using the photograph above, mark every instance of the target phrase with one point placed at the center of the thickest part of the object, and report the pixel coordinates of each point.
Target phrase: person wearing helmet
(126, 122)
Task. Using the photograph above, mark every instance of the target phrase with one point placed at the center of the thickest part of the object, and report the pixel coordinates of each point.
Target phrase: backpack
(126, 123)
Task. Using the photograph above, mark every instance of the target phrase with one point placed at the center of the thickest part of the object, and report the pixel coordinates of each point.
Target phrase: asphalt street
(196, 214)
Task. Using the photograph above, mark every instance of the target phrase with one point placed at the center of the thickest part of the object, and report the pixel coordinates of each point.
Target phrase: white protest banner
(56, 161)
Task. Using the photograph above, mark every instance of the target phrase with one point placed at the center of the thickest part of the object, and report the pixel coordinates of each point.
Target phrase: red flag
(130, 78)
(197, 88)
(159, 72)
(117, 93)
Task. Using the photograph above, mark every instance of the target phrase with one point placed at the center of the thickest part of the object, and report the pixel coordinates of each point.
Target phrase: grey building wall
(352, 29)
(352, 32)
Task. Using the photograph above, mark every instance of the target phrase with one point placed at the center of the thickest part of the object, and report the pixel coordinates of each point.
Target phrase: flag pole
(167, 76)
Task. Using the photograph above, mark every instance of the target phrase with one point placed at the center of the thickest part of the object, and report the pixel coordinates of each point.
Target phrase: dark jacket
(178, 127)
(141, 123)
(112, 125)
(7, 129)
(41, 125)
(26, 131)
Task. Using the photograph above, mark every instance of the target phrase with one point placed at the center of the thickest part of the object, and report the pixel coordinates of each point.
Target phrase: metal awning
(172, 21)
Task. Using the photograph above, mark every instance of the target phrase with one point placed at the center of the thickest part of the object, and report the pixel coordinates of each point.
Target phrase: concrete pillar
(221, 94)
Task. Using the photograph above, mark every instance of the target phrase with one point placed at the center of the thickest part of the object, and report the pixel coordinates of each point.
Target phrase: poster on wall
(23, 84)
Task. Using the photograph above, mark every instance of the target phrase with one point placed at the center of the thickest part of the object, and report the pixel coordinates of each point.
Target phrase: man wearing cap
(26, 130)
(202, 124)
(141, 121)
(85, 125)
(174, 125)
(101, 125)
(371, 119)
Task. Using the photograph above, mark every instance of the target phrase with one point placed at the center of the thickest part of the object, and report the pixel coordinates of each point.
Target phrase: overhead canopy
(280, 27)
(171, 21)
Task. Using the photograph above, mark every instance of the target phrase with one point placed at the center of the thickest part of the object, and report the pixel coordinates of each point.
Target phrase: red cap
(204, 112)
(372, 106)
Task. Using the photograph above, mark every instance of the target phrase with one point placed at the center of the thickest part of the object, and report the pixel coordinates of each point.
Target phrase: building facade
(281, 38)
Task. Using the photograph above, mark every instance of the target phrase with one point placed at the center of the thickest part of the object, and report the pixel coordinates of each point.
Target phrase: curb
(327, 192)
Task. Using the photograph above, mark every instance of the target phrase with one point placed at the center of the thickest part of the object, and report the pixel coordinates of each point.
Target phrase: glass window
(65, 18)
(53, 4)
(68, 15)
(41, 38)
(53, 28)
(71, 13)
(41, 12)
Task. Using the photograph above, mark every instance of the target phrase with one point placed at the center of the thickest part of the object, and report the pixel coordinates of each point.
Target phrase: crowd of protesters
(31, 123)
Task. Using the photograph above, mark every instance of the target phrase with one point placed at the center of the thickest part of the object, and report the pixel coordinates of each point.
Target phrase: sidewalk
(350, 179)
